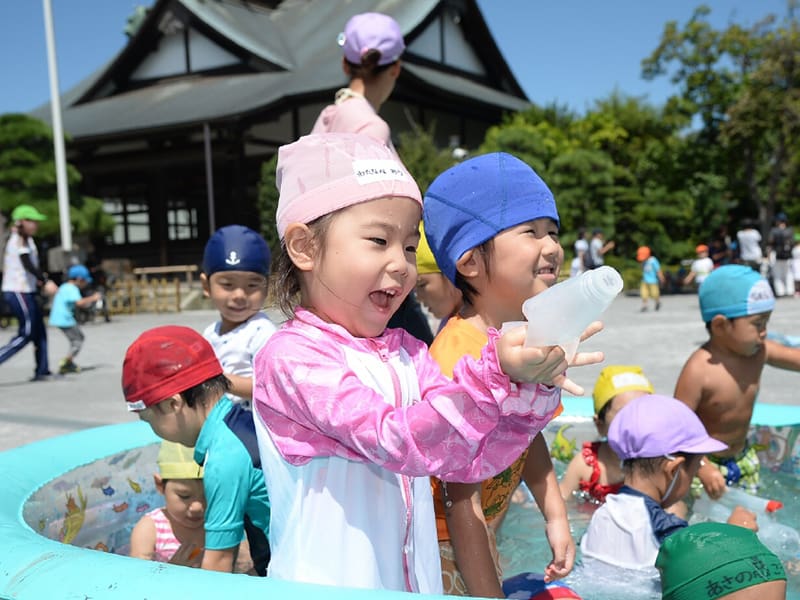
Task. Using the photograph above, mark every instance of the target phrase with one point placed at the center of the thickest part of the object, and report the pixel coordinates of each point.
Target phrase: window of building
(128, 206)
(181, 220)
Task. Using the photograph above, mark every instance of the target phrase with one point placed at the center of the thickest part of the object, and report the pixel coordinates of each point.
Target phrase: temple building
(173, 131)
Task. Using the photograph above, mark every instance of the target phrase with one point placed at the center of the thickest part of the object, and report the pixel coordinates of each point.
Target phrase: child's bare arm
(540, 478)
(470, 537)
(689, 387)
(143, 539)
(241, 386)
(220, 560)
(782, 357)
(87, 300)
(576, 470)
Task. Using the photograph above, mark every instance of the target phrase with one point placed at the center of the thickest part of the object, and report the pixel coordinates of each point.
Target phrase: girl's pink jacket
(348, 431)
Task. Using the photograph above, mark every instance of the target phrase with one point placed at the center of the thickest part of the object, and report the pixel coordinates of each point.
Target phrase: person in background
(62, 314)
(720, 380)
(434, 289)
(235, 276)
(372, 44)
(352, 418)
(719, 248)
(749, 239)
(652, 278)
(174, 533)
(174, 382)
(701, 267)
(23, 278)
(719, 561)
(596, 471)
(581, 246)
(779, 244)
(598, 248)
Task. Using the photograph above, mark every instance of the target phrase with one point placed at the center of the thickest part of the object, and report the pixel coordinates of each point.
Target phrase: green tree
(741, 85)
(28, 176)
(268, 203)
(423, 159)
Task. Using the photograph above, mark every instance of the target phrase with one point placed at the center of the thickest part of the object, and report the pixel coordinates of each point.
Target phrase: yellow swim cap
(176, 461)
(426, 263)
(614, 380)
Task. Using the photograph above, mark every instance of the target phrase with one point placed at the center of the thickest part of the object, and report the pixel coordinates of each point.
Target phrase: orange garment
(459, 338)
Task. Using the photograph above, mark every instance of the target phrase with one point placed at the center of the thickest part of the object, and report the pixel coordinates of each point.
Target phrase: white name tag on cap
(374, 170)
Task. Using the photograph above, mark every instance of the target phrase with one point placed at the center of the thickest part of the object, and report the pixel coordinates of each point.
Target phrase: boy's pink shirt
(467, 429)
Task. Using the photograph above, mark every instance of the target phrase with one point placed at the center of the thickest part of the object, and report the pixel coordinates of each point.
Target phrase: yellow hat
(615, 379)
(426, 263)
(176, 461)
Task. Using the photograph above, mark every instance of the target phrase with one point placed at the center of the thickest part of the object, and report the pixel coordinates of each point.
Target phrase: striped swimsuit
(166, 542)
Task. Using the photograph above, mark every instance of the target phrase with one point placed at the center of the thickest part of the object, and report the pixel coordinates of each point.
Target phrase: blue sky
(570, 51)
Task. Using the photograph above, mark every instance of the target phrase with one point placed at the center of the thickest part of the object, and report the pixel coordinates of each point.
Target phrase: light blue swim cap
(734, 291)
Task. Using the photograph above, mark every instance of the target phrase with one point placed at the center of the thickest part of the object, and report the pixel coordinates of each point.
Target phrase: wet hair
(468, 291)
(369, 68)
(284, 281)
(601, 414)
(649, 466)
(216, 386)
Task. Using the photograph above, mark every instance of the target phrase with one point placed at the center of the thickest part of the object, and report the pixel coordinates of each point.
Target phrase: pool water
(523, 546)
(96, 505)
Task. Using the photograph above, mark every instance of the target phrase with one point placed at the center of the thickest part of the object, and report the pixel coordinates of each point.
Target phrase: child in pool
(498, 261)
(596, 472)
(351, 418)
(720, 380)
(175, 533)
(717, 561)
(661, 442)
(174, 382)
(434, 289)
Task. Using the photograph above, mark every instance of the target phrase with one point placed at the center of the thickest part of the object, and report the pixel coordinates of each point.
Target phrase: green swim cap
(710, 560)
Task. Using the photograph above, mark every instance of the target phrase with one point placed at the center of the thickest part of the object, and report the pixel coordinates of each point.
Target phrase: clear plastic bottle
(559, 315)
(781, 539)
(734, 497)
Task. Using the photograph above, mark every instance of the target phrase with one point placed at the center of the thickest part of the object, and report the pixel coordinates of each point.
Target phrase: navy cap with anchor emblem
(236, 248)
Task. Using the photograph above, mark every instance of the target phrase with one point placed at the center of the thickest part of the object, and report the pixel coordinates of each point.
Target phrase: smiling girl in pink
(351, 418)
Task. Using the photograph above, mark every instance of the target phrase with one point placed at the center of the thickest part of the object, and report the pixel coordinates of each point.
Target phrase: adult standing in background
(598, 248)
(581, 248)
(749, 239)
(22, 278)
(372, 44)
(780, 242)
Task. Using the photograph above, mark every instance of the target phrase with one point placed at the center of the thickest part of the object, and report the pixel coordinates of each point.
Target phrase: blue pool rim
(33, 566)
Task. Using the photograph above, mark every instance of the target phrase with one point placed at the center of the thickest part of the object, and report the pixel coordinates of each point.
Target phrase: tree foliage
(28, 176)
(724, 147)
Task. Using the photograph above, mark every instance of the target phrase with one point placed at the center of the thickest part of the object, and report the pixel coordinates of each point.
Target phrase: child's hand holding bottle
(546, 364)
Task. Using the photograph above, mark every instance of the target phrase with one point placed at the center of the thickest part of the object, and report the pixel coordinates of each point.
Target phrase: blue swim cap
(472, 202)
(236, 248)
(79, 272)
(734, 291)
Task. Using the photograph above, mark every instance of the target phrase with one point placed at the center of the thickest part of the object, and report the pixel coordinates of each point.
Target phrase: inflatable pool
(68, 504)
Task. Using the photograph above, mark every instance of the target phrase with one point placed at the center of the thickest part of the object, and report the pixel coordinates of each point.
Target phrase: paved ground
(659, 341)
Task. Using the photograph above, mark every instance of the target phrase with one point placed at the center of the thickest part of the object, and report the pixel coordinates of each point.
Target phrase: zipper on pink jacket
(405, 481)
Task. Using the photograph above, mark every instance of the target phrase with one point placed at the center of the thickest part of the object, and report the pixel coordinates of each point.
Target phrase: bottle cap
(774, 505)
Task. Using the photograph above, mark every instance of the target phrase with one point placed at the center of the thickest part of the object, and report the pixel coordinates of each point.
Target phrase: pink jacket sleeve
(466, 429)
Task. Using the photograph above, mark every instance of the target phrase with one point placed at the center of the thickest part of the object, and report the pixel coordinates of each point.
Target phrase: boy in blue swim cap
(720, 380)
